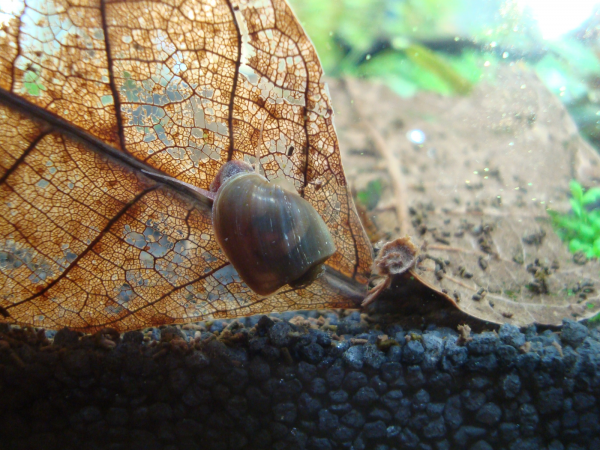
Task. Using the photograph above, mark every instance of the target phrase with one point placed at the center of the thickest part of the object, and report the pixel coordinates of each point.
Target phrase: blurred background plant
(447, 46)
(580, 228)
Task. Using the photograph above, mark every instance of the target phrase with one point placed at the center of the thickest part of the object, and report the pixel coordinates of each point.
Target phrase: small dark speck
(4, 312)
(290, 150)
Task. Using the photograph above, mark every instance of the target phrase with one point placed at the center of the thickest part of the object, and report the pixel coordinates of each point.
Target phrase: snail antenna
(262, 126)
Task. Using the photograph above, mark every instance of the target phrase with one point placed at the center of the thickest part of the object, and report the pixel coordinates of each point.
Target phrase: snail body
(271, 236)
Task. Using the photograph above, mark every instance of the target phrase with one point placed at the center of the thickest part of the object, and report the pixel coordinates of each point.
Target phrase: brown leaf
(477, 191)
(93, 94)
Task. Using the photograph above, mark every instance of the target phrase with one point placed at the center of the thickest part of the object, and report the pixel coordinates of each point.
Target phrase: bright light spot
(9, 9)
(486, 64)
(505, 55)
(416, 136)
(555, 18)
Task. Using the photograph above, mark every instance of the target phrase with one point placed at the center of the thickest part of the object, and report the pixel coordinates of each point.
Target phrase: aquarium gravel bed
(296, 381)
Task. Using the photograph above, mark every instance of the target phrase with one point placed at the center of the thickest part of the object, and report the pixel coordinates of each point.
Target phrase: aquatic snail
(271, 235)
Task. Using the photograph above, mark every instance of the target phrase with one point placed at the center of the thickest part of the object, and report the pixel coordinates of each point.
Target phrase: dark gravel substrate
(316, 384)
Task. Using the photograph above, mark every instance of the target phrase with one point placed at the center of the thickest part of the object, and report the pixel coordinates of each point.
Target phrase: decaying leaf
(91, 94)
(476, 192)
(394, 258)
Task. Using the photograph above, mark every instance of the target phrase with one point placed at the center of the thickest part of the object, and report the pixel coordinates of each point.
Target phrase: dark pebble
(489, 414)
(454, 356)
(408, 439)
(66, 337)
(573, 333)
(259, 370)
(91, 414)
(510, 385)
(510, 335)
(482, 364)
(467, 433)
(372, 356)
(354, 381)
(453, 412)
(435, 409)
(312, 353)
(318, 386)
(279, 334)
(380, 414)
(308, 406)
(550, 400)
(394, 353)
(434, 347)
(285, 412)
(354, 357)
(390, 371)
(484, 343)
(391, 400)
(375, 430)
(525, 444)
(435, 429)
(379, 385)
(365, 396)
(413, 352)
(327, 420)
(481, 445)
(317, 443)
(353, 419)
(421, 400)
(472, 400)
(341, 408)
(583, 401)
(509, 431)
(414, 377)
(339, 396)
(335, 376)
(343, 434)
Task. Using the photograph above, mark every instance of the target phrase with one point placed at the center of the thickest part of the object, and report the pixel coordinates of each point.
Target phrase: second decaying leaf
(476, 192)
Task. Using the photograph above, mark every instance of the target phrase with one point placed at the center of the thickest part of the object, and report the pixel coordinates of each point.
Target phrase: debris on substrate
(314, 380)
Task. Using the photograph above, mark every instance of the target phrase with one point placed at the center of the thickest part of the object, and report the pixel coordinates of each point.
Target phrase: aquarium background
(449, 47)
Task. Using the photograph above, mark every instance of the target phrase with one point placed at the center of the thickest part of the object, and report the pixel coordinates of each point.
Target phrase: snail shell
(271, 236)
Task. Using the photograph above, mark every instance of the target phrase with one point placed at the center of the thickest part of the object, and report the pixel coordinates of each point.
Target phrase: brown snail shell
(271, 236)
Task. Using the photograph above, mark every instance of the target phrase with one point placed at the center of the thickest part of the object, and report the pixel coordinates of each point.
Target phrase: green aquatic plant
(370, 196)
(580, 228)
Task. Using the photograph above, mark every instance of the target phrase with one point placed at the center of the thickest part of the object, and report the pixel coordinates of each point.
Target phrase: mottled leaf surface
(90, 93)
(476, 192)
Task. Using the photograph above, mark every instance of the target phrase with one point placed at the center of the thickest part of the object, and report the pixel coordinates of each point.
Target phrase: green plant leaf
(576, 207)
(592, 195)
(371, 195)
(576, 191)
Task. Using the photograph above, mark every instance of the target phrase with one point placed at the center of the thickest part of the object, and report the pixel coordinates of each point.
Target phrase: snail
(271, 235)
